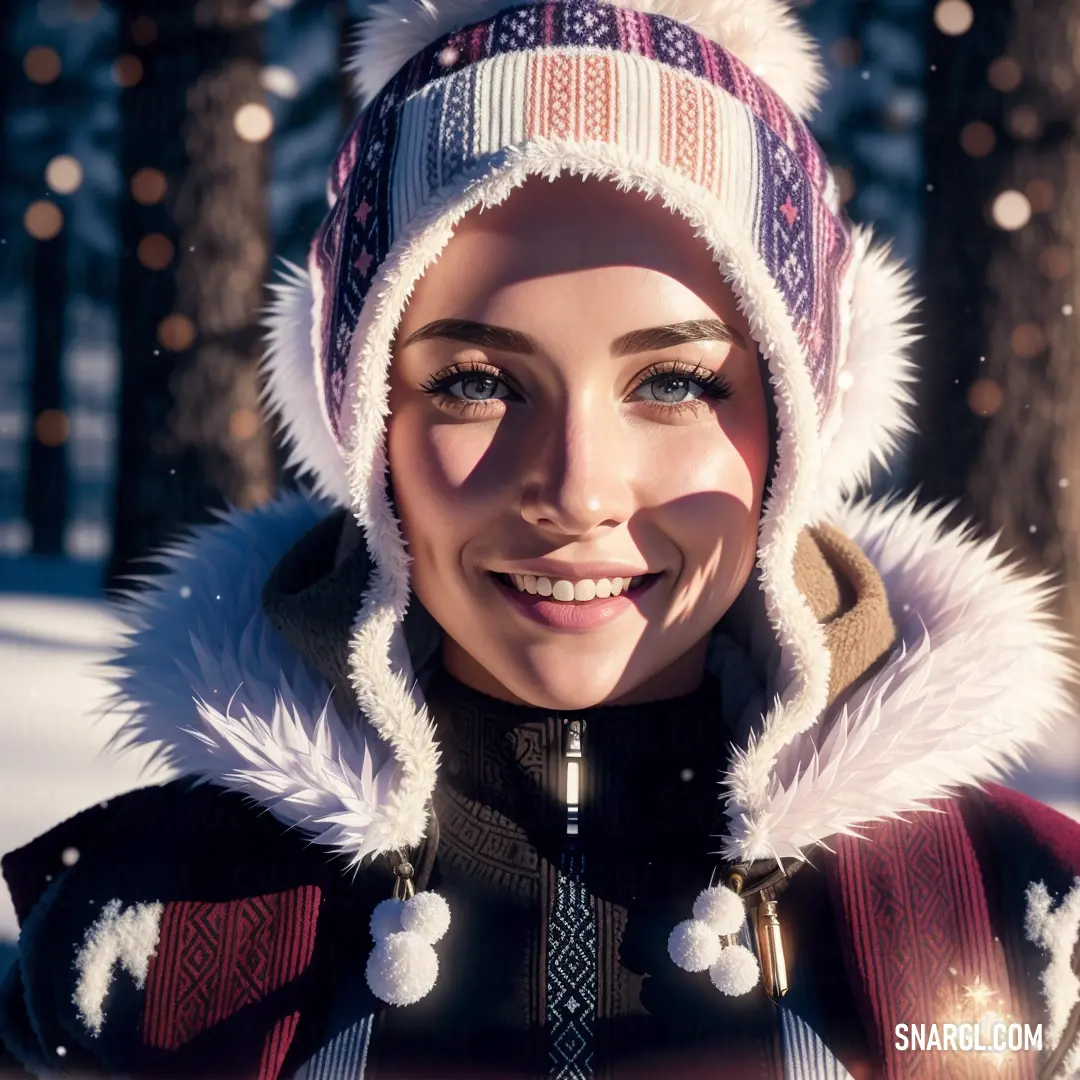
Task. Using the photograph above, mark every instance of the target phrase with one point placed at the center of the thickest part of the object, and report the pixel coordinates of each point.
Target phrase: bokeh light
(1055, 262)
(953, 17)
(64, 174)
(1041, 195)
(1005, 74)
(985, 397)
(253, 122)
(1011, 210)
(978, 139)
(144, 30)
(1024, 122)
(280, 81)
(244, 425)
(52, 427)
(176, 332)
(846, 52)
(127, 71)
(42, 65)
(155, 251)
(1027, 340)
(84, 10)
(43, 220)
(148, 186)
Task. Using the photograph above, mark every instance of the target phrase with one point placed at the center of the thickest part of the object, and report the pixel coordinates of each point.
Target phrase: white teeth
(562, 590)
(584, 590)
(574, 591)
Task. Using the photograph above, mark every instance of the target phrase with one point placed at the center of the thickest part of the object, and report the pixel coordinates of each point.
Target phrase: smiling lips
(580, 604)
(577, 591)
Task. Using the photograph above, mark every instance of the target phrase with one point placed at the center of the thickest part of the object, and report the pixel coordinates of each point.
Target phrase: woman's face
(578, 446)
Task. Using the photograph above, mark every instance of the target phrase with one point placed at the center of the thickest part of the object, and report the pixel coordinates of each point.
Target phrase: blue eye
(672, 389)
(465, 386)
(477, 386)
(673, 385)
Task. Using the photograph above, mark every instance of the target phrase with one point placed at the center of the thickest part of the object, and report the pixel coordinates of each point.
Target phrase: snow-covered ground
(51, 737)
(52, 759)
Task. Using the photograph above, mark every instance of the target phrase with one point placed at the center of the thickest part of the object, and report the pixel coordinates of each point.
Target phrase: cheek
(710, 494)
(435, 469)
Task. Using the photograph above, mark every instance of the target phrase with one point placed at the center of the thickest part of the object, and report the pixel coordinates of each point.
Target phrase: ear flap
(873, 382)
(292, 389)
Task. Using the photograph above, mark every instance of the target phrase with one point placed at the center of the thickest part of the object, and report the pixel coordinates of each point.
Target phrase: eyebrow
(652, 339)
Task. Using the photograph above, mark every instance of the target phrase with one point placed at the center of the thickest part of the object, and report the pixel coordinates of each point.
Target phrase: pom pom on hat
(693, 945)
(426, 914)
(721, 908)
(764, 34)
(386, 919)
(736, 971)
(402, 969)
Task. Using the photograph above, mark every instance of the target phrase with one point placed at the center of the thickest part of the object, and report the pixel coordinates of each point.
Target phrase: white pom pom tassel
(736, 971)
(386, 919)
(721, 908)
(693, 945)
(402, 969)
(426, 914)
(403, 966)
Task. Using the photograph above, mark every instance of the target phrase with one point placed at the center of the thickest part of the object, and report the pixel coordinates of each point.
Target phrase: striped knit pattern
(806, 1057)
(276, 1046)
(213, 960)
(582, 73)
(344, 1057)
(915, 910)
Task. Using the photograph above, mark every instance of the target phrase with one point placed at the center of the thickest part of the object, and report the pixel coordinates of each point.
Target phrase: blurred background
(160, 157)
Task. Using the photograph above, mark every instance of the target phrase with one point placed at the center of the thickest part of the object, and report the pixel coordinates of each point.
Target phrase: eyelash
(714, 386)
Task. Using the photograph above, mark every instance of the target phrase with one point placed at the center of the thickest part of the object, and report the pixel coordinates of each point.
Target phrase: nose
(581, 478)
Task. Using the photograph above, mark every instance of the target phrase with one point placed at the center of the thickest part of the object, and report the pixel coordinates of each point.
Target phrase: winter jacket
(184, 931)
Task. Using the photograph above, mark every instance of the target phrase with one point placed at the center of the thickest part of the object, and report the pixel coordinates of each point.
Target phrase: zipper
(572, 749)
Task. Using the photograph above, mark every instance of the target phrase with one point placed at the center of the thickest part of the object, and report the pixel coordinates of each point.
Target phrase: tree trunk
(192, 437)
(1026, 480)
(1001, 398)
(46, 476)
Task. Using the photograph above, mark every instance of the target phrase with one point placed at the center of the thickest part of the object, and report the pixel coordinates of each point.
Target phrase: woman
(600, 732)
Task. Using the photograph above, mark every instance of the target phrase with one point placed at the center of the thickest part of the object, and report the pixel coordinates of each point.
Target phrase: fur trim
(876, 373)
(208, 680)
(127, 937)
(978, 650)
(763, 34)
(380, 685)
(1057, 933)
(292, 390)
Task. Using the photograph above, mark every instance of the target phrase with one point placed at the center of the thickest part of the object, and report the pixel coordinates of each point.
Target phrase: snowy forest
(161, 158)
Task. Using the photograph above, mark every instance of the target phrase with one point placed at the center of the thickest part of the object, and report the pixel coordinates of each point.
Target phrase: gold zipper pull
(574, 732)
(771, 946)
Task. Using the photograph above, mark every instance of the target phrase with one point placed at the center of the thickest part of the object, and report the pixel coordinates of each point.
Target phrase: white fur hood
(978, 678)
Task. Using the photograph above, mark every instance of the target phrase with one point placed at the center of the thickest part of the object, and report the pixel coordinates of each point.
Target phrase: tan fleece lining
(847, 596)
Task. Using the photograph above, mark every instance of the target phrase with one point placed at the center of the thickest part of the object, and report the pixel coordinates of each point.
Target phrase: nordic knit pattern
(582, 73)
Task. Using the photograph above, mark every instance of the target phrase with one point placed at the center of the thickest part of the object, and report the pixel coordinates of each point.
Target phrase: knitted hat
(699, 102)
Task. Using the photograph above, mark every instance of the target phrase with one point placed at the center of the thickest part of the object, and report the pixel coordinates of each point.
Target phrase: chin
(574, 682)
